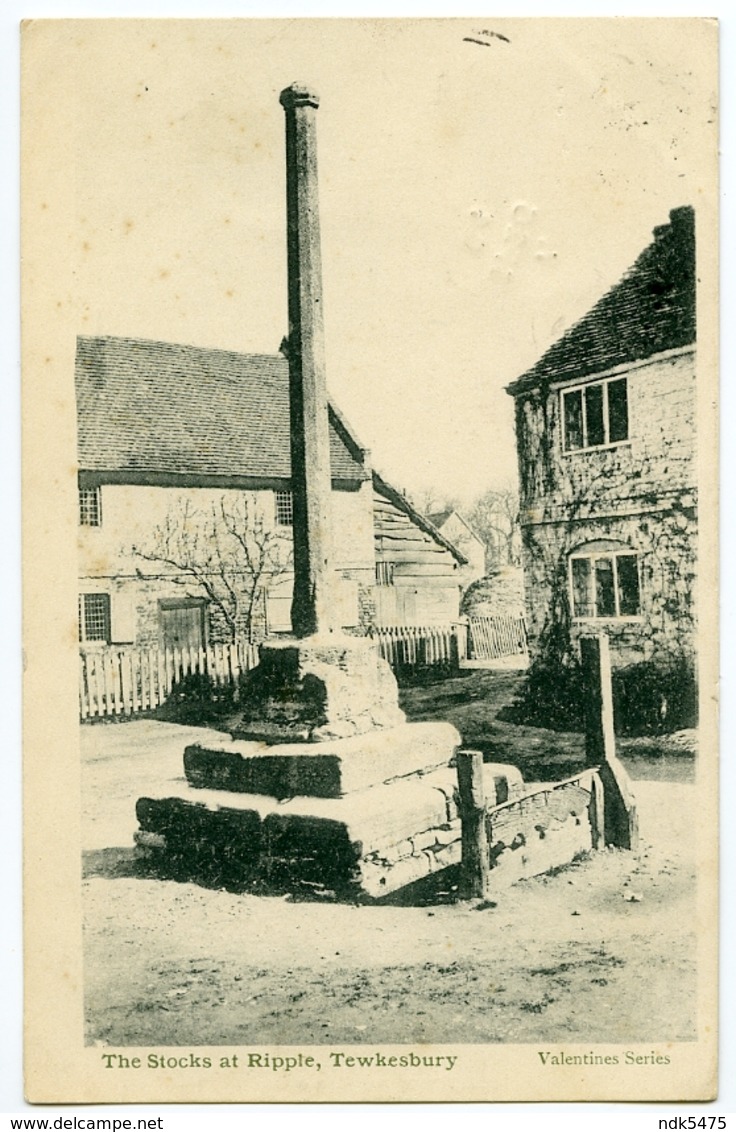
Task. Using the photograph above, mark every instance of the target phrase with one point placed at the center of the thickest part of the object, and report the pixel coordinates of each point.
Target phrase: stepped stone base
(329, 769)
(365, 844)
(322, 687)
(349, 845)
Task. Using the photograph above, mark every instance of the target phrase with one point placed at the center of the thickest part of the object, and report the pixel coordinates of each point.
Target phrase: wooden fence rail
(491, 638)
(115, 682)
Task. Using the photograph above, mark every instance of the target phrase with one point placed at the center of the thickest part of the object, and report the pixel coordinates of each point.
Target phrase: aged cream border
(58, 1068)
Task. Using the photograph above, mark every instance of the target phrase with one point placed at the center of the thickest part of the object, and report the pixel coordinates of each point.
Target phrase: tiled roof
(159, 408)
(650, 310)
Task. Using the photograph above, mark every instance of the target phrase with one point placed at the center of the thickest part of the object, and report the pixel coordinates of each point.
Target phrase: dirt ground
(603, 951)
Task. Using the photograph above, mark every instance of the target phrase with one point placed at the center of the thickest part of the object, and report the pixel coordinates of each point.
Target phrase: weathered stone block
(424, 841)
(501, 783)
(450, 794)
(316, 688)
(329, 769)
(450, 854)
(377, 880)
(377, 818)
(352, 843)
(314, 841)
(447, 835)
(203, 839)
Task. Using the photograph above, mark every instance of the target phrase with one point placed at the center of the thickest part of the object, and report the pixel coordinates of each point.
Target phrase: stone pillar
(324, 685)
(312, 610)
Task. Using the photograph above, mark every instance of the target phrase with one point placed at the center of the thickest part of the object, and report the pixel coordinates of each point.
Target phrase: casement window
(385, 573)
(90, 507)
(94, 618)
(605, 584)
(595, 415)
(284, 509)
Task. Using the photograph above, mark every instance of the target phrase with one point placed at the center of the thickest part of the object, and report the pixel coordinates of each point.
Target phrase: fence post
(462, 629)
(620, 818)
(83, 702)
(600, 741)
(475, 867)
(454, 657)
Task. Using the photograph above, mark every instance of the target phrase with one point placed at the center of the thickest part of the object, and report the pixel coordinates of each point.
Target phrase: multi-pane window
(596, 415)
(284, 509)
(94, 617)
(384, 573)
(605, 584)
(90, 509)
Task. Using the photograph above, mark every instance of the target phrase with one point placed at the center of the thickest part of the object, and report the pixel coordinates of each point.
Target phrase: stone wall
(640, 493)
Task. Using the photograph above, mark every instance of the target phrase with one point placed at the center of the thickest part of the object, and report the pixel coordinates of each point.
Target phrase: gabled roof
(651, 309)
(384, 489)
(439, 518)
(157, 409)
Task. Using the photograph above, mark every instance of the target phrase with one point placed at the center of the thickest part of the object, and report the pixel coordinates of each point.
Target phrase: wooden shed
(418, 570)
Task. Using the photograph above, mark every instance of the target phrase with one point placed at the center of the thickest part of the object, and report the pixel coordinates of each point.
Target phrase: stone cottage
(184, 492)
(605, 431)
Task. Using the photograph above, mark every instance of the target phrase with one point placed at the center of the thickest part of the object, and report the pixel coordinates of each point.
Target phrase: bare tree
(495, 518)
(432, 500)
(228, 552)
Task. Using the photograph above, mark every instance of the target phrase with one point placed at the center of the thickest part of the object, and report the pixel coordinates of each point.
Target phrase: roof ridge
(649, 309)
(134, 340)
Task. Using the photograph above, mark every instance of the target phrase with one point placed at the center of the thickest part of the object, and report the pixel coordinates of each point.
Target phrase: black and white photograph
(370, 559)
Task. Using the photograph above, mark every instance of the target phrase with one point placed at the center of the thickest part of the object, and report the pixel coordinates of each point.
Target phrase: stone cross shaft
(311, 610)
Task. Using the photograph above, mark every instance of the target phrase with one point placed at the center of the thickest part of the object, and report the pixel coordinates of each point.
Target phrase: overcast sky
(476, 200)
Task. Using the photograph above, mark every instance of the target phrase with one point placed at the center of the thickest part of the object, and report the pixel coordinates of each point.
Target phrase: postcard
(370, 559)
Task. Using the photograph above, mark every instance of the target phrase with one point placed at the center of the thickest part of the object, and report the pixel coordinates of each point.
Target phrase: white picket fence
(126, 681)
(116, 682)
(412, 648)
(491, 638)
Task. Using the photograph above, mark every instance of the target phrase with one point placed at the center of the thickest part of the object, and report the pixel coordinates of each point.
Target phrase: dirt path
(603, 951)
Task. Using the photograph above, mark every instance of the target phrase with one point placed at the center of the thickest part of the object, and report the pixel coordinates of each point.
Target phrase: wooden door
(182, 624)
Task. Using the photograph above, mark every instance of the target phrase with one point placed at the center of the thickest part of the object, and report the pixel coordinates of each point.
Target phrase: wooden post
(600, 741)
(454, 649)
(620, 820)
(475, 868)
